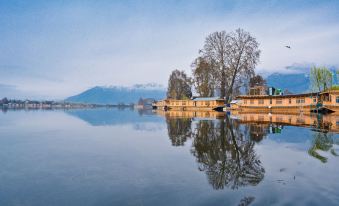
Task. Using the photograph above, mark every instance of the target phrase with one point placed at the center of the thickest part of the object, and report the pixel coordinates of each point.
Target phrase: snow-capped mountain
(119, 94)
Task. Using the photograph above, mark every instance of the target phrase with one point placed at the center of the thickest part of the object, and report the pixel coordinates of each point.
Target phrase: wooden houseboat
(290, 103)
(198, 103)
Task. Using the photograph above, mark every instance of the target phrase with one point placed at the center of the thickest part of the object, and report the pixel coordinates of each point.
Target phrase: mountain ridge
(119, 94)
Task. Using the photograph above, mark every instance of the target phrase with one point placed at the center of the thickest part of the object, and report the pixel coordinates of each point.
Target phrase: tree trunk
(230, 88)
(223, 84)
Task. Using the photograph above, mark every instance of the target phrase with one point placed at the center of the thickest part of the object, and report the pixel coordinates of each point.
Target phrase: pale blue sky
(53, 49)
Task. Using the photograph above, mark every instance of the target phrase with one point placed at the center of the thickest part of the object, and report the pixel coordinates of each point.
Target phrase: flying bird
(288, 47)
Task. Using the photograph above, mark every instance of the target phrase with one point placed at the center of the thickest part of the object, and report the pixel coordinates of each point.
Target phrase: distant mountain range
(295, 83)
(119, 94)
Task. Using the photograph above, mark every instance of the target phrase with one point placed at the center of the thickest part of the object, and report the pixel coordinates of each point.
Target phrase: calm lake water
(126, 157)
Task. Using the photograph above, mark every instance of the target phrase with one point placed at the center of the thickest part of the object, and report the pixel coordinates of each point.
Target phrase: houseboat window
(314, 99)
(270, 101)
(252, 101)
(337, 99)
(245, 101)
(278, 101)
(261, 101)
(300, 101)
(183, 103)
(290, 101)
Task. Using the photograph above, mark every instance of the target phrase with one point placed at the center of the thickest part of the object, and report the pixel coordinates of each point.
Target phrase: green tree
(320, 79)
(203, 77)
(4, 101)
(179, 85)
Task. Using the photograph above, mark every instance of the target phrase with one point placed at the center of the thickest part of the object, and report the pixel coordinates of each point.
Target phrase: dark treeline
(223, 67)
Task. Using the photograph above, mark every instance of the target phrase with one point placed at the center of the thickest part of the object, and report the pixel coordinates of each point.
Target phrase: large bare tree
(179, 85)
(215, 50)
(235, 55)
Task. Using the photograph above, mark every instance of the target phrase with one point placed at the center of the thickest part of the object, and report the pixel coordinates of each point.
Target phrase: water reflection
(226, 154)
(179, 130)
(275, 122)
(322, 142)
(116, 116)
(254, 158)
(224, 146)
(246, 201)
(257, 132)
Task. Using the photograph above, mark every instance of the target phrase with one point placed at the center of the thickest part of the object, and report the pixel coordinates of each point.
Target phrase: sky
(55, 49)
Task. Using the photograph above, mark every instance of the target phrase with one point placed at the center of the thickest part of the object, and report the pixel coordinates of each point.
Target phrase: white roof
(234, 101)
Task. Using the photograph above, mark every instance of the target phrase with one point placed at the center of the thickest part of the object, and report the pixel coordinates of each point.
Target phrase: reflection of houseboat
(260, 101)
(191, 114)
(317, 122)
(199, 103)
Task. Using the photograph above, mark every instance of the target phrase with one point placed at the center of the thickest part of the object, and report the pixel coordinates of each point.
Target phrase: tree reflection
(226, 154)
(179, 130)
(322, 141)
(246, 201)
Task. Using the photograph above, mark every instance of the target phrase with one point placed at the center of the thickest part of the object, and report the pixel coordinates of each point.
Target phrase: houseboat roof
(234, 101)
(207, 99)
(312, 94)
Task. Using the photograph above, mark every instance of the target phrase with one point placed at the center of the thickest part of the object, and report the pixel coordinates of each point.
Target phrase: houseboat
(198, 103)
(273, 102)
